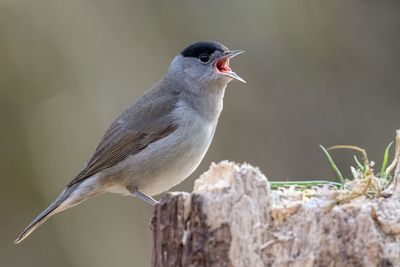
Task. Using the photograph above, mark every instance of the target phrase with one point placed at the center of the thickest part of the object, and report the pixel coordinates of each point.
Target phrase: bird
(161, 139)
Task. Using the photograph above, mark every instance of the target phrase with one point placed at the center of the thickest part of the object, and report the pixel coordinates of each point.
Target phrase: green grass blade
(385, 161)
(362, 168)
(277, 184)
(333, 165)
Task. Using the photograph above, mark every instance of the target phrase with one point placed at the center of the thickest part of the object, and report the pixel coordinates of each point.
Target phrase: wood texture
(233, 218)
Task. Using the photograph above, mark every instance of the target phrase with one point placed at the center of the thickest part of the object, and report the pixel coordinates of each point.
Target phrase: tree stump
(233, 218)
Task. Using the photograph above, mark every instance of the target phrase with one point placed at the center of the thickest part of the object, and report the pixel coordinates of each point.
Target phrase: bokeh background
(318, 72)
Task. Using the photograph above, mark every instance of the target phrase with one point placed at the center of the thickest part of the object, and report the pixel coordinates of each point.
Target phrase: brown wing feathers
(107, 156)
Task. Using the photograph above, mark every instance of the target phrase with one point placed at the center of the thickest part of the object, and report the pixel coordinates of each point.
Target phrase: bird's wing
(143, 123)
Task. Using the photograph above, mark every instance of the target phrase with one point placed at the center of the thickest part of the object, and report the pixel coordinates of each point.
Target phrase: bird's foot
(148, 199)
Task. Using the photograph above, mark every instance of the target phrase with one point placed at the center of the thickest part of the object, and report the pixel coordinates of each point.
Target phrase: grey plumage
(161, 139)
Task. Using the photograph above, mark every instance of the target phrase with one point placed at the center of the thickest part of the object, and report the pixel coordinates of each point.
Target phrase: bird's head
(205, 63)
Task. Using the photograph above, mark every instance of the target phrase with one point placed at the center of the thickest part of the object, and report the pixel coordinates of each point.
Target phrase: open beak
(222, 65)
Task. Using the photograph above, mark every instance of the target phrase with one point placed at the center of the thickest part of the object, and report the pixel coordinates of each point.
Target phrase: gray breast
(171, 160)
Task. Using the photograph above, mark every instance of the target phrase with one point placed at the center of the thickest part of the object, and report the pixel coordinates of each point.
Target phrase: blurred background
(318, 73)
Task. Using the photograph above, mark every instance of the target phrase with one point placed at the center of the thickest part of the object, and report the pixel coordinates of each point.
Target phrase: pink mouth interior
(223, 65)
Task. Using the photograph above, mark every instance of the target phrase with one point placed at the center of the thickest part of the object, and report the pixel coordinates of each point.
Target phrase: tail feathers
(43, 216)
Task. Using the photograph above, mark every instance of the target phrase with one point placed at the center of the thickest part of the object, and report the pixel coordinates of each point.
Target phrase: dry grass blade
(385, 174)
(392, 165)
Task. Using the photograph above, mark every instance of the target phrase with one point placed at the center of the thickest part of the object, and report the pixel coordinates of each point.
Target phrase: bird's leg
(148, 199)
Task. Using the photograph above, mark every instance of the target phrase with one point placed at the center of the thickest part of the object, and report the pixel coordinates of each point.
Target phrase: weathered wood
(233, 218)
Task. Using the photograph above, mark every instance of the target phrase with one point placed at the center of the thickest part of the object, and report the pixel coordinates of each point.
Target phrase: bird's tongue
(223, 65)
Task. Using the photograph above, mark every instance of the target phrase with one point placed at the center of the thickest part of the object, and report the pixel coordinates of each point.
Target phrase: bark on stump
(233, 218)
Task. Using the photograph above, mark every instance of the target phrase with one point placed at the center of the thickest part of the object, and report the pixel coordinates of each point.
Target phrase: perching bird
(161, 139)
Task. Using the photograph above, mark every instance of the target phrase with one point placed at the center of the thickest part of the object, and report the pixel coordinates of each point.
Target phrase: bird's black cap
(196, 49)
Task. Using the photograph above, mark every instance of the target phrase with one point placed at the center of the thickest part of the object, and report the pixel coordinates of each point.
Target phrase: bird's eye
(204, 57)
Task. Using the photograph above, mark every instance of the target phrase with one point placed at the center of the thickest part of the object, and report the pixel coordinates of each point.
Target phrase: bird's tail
(52, 209)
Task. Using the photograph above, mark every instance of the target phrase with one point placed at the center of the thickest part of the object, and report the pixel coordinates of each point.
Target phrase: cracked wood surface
(233, 218)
